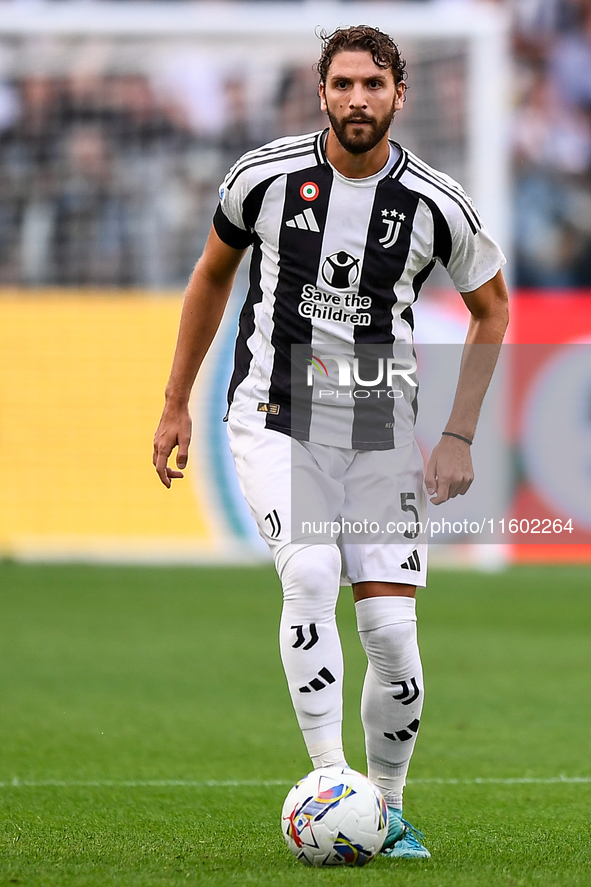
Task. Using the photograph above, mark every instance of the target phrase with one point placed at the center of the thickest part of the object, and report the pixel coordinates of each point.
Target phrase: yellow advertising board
(81, 390)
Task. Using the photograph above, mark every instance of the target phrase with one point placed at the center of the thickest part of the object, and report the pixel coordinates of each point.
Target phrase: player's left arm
(450, 472)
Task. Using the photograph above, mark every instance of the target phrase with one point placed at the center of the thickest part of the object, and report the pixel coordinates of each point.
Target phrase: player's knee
(392, 651)
(310, 576)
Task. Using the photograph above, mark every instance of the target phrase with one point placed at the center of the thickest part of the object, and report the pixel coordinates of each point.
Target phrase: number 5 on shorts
(404, 497)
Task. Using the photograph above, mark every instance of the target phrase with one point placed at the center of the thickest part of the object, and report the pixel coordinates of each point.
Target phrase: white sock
(326, 752)
(311, 648)
(392, 698)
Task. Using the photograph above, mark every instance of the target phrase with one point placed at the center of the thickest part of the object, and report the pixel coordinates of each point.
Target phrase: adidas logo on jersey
(305, 221)
(413, 563)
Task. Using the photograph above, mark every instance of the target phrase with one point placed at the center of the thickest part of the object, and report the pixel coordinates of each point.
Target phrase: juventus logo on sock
(413, 563)
(273, 519)
(300, 638)
(316, 683)
(407, 694)
(403, 735)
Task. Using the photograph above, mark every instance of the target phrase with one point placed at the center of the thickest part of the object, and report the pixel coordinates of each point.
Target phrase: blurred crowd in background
(112, 178)
(109, 174)
(552, 143)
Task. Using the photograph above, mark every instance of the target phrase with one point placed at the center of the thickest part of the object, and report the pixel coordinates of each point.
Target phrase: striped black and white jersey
(336, 266)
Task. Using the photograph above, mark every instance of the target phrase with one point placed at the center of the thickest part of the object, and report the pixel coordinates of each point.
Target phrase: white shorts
(369, 502)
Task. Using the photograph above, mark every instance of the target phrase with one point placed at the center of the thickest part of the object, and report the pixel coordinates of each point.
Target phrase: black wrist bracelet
(459, 437)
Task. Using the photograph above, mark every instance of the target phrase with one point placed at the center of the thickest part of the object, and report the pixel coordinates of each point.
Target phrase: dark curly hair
(383, 50)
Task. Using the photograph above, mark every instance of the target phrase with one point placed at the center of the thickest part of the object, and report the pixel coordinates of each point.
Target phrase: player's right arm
(204, 303)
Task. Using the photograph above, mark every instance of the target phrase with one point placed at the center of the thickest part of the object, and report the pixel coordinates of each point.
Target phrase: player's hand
(173, 431)
(449, 472)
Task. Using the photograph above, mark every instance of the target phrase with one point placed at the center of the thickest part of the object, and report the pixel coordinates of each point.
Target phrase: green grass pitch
(129, 696)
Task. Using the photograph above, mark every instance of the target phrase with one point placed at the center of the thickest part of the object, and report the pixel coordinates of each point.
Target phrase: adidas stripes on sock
(392, 697)
(311, 648)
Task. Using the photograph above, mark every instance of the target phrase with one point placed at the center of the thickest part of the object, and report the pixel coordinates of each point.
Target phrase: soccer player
(345, 227)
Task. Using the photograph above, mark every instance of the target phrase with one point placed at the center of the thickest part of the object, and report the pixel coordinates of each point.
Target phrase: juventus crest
(393, 220)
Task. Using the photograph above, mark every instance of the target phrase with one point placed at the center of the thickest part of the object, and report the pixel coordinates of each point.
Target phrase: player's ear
(400, 90)
(322, 95)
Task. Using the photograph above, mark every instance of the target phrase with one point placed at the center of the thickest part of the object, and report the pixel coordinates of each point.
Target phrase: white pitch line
(259, 783)
(517, 780)
(144, 783)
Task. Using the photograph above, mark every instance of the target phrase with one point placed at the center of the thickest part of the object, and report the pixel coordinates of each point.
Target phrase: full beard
(366, 137)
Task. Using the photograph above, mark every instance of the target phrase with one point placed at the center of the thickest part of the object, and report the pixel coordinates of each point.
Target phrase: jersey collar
(395, 172)
(400, 164)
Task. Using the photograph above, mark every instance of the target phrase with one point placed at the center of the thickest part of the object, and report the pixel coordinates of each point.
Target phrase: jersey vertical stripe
(338, 275)
(298, 262)
(250, 381)
(246, 325)
(386, 258)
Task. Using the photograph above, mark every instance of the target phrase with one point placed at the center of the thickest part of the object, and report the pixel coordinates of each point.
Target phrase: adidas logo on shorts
(413, 563)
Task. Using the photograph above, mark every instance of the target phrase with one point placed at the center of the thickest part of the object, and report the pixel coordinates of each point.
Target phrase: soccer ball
(334, 816)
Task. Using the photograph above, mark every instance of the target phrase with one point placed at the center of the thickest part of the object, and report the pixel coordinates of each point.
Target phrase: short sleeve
(228, 220)
(475, 257)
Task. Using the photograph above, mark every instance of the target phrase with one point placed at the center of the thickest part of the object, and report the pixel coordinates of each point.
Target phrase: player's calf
(311, 648)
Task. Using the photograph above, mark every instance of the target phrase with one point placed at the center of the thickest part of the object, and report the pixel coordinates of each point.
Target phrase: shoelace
(414, 835)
